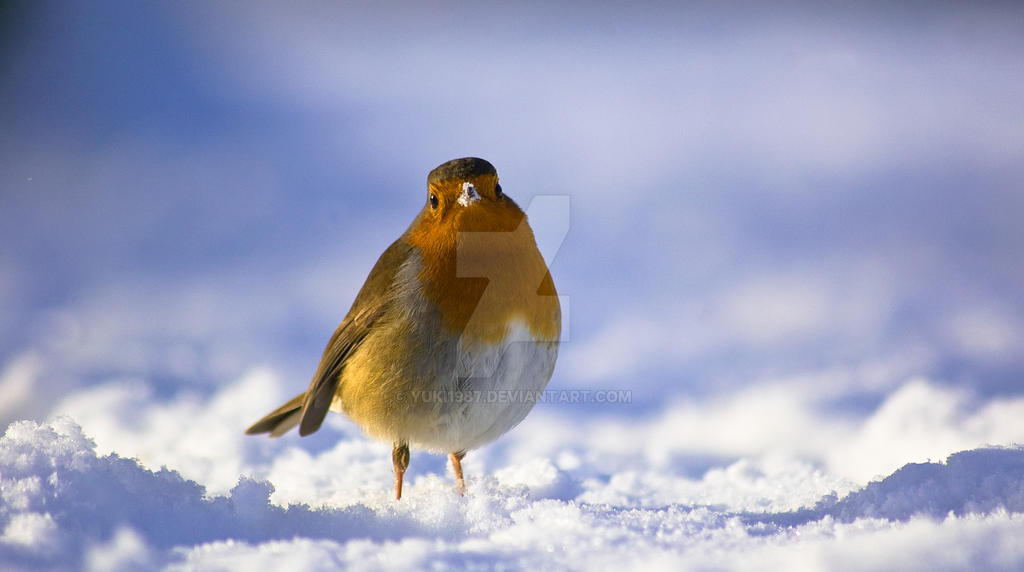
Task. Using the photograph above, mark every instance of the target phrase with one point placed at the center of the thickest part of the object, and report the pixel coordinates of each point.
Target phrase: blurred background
(191, 190)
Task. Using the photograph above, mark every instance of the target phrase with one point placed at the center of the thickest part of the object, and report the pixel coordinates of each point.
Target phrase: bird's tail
(280, 420)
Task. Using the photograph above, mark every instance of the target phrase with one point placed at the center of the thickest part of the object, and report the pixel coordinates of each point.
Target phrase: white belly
(493, 389)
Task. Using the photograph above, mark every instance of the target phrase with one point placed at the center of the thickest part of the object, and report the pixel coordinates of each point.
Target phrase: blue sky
(191, 190)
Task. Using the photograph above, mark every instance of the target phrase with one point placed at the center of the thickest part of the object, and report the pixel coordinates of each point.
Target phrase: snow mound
(63, 505)
(59, 498)
(970, 482)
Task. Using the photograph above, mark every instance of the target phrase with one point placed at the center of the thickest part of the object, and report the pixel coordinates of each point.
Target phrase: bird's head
(463, 195)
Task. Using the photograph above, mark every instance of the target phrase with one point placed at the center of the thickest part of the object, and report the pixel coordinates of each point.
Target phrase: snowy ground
(123, 479)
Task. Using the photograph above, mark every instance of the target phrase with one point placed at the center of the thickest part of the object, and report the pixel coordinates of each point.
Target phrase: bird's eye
(433, 201)
(497, 191)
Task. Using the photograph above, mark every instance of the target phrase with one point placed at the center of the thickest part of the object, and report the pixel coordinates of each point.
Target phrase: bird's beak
(469, 194)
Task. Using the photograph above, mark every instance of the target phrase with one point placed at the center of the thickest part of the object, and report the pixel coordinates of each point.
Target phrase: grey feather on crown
(464, 168)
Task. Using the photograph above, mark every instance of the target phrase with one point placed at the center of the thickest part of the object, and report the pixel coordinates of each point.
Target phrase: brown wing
(371, 303)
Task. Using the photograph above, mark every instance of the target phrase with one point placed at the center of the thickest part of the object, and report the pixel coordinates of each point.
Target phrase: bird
(452, 338)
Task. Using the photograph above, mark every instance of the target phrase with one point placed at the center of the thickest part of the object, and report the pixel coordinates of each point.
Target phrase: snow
(123, 479)
(468, 195)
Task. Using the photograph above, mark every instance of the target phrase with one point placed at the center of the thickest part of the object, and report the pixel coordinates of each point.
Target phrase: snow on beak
(468, 195)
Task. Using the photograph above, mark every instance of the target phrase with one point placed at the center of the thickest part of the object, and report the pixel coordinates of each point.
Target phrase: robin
(452, 337)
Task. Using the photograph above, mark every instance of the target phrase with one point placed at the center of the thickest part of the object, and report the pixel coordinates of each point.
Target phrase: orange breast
(482, 268)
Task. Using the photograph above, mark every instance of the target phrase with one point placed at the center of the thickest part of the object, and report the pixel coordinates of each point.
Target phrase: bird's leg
(456, 459)
(400, 457)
